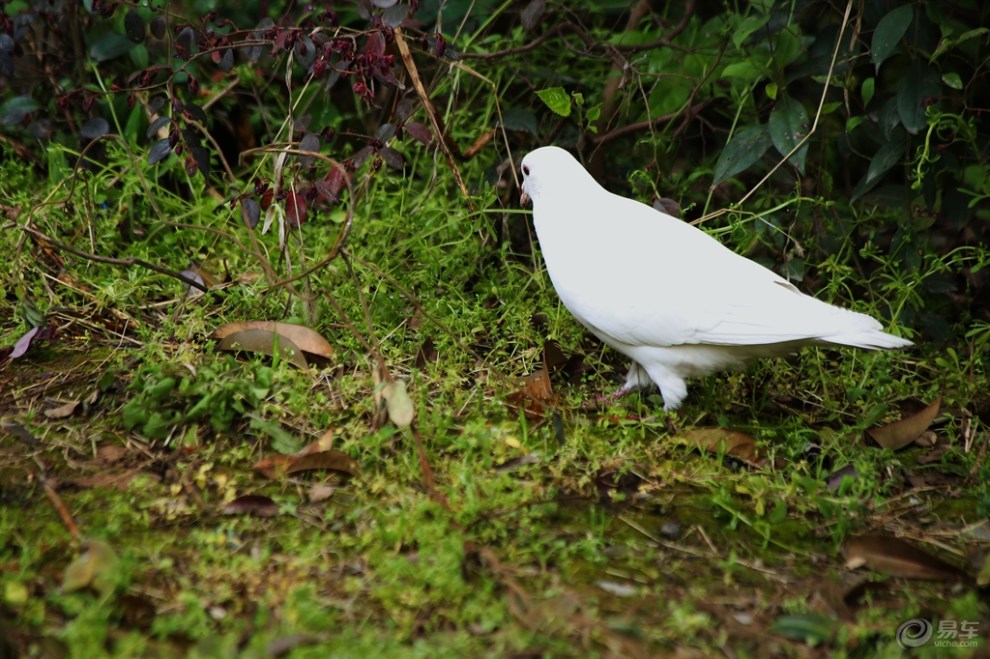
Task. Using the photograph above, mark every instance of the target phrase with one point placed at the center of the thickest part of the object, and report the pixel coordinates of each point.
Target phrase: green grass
(571, 532)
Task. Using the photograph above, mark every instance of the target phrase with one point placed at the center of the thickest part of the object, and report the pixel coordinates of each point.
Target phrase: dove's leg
(636, 378)
(673, 388)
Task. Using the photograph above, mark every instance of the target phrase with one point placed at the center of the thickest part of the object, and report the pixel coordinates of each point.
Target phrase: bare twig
(818, 112)
(431, 112)
(616, 76)
(124, 263)
(56, 501)
(646, 123)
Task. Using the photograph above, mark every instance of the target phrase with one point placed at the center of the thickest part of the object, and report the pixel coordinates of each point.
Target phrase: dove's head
(552, 172)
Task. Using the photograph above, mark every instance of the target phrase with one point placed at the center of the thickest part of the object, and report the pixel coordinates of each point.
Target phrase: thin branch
(424, 98)
(124, 263)
(647, 123)
(818, 112)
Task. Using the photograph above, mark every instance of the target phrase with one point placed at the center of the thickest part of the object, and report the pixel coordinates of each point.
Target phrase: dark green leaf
(521, 119)
(250, 212)
(810, 628)
(748, 26)
(134, 26)
(393, 158)
(917, 87)
(14, 110)
(947, 44)
(159, 26)
(530, 16)
(890, 30)
(886, 157)
(310, 142)
(95, 127)
(226, 62)
(109, 46)
(787, 46)
(202, 158)
(788, 126)
(748, 146)
(395, 15)
(156, 125)
(159, 151)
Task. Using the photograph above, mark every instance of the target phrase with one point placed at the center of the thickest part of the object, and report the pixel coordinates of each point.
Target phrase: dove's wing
(675, 285)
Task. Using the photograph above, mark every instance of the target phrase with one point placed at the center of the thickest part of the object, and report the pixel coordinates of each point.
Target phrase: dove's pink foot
(602, 401)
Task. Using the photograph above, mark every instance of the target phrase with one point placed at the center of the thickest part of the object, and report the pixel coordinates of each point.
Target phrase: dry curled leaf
(331, 460)
(720, 440)
(63, 410)
(280, 466)
(264, 342)
(532, 395)
(308, 340)
(400, 406)
(897, 558)
(899, 434)
(251, 504)
(95, 566)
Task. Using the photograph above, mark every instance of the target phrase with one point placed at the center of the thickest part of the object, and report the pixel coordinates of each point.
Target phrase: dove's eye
(525, 170)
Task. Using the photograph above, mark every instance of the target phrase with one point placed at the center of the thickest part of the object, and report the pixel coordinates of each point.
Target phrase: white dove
(666, 294)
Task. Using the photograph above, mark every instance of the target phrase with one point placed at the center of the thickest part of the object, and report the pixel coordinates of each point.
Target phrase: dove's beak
(524, 198)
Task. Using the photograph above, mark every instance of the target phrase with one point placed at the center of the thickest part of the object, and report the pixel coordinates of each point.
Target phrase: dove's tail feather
(869, 340)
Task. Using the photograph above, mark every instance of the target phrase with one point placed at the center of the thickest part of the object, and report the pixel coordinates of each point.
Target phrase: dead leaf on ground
(720, 440)
(304, 338)
(264, 342)
(251, 504)
(117, 479)
(330, 460)
(897, 558)
(274, 467)
(95, 566)
(553, 356)
(427, 354)
(110, 453)
(279, 466)
(320, 492)
(308, 340)
(62, 411)
(899, 434)
(834, 480)
(534, 391)
(401, 410)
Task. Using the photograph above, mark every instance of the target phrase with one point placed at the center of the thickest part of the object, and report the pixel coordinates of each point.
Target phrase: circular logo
(914, 633)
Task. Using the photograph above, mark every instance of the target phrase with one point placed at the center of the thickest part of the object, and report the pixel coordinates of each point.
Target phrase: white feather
(666, 294)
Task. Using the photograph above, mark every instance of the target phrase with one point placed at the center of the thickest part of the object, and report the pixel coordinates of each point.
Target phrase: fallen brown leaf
(263, 342)
(720, 440)
(331, 460)
(95, 566)
(274, 467)
(899, 434)
(304, 338)
(251, 504)
(534, 391)
(897, 558)
(63, 410)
